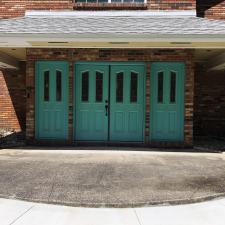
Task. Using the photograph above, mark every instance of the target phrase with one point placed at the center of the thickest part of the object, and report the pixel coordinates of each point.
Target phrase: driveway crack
(52, 187)
(13, 222)
(139, 222)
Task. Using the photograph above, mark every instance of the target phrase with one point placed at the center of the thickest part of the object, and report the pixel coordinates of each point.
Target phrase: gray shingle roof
(115, 25)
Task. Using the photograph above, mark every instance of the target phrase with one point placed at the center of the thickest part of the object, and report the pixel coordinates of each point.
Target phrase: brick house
(113, 71)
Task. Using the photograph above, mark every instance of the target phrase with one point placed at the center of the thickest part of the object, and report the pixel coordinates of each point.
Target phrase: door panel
(91, 93)
(167, 101)
(51, 100)
(127, 102)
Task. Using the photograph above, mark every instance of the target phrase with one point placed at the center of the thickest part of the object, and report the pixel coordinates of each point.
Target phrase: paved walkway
(14, 212)
(110, 178)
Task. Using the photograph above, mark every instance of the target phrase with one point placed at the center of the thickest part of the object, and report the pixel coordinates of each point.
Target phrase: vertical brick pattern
(12, 99)
(209, 103)
(145, 55)
(211, 9)
(189, 99)
(30, 84)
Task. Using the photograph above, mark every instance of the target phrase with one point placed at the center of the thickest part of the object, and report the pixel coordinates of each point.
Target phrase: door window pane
(172, 87)
(85, 86)
(160, 87)
(58, 85)
(46, 86)
(119, 87)
(133, 87)
(99, 86)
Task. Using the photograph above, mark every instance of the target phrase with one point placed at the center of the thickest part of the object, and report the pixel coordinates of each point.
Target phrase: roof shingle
(125, 25)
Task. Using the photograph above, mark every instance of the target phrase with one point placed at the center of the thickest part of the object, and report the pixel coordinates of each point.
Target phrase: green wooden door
(51, 108)
(167, 101)
(91, 98)
(127, 102)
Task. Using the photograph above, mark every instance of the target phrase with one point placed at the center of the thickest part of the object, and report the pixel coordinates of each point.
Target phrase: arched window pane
(119, 87)
(133, 87)
(46, 86)
(160, 87)
(85, 86)
(99, 86)
(58, 85)
(172, 87)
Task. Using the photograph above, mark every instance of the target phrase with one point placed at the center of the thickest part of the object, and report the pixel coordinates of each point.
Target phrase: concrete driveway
(110, 178)
(16, 212)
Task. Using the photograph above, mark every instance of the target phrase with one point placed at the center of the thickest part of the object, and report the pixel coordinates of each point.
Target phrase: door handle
(106, 110)
(106, 107)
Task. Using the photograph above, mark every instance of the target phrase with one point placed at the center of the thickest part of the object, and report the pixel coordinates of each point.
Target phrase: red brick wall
(14, 8)
(13, 99)
(209, 107)
(172, 4)
(49, 4)
(146, 55)
(211, 9)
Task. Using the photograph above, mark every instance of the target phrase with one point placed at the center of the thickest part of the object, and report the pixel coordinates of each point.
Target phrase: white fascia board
(111, 13)
(10, 40)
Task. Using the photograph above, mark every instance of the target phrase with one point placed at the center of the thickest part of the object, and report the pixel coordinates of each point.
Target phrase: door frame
(37, 94)
(182, 109)
(107, 63)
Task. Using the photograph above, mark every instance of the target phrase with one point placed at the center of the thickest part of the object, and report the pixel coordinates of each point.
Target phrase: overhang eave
(71, 40)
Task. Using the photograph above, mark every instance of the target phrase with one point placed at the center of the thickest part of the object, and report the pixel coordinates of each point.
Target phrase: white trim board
(50, 42)
(110, 13)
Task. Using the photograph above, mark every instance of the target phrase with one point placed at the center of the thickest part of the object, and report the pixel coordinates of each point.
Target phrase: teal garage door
(167, 101)
(127, 103)
(109, 102)
(91, 96)
(51, 100)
